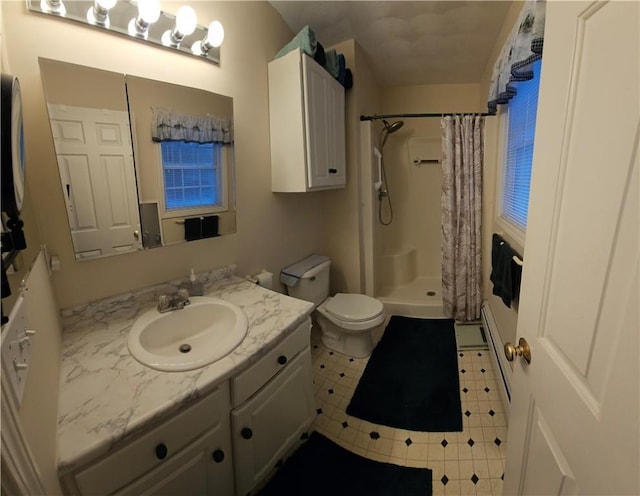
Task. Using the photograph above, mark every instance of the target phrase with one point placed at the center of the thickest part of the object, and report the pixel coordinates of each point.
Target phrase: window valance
(169, 126)
(522, 49)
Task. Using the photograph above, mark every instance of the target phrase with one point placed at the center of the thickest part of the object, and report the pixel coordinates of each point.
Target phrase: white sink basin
(205, 331)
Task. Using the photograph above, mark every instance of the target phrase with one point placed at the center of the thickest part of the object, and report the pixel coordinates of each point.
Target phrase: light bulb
(215, 34)
(107, 4)
(98, 15)
(149, 10)
(213, 38)
(53, 7)
(186, 20)
(148, 13)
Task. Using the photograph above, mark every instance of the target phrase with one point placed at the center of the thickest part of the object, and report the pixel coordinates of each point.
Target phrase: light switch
(16, 348)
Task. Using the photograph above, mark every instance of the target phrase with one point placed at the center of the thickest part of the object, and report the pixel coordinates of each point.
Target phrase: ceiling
(407, 43)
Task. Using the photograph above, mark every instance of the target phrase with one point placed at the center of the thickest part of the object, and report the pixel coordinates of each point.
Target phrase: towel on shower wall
(505, 273)
(305, 40)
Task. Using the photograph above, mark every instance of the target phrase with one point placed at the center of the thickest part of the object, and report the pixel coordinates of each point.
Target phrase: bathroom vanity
(127, 429)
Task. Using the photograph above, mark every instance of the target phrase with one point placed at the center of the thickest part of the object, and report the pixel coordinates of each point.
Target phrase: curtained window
(194, 152)
(514, 88)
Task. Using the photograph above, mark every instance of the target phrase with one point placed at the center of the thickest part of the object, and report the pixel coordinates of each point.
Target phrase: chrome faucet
(178, 301)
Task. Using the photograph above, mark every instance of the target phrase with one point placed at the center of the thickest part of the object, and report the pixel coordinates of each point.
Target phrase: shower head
(392, 128)
(387, 130)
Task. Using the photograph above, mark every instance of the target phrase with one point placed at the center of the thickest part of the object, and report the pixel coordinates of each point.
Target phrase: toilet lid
(354, 307)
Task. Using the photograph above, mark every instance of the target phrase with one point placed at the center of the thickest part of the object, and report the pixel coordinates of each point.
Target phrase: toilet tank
(313, 285)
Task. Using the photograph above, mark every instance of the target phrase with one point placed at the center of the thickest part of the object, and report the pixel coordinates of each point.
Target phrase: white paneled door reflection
(93, 147)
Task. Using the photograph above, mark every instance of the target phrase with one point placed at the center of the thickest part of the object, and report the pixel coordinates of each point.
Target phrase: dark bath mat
(411, 380)
(322, 468)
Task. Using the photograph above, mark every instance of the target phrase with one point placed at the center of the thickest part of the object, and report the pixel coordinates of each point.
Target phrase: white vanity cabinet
(189, 454)
(273, 406)
(307, 126)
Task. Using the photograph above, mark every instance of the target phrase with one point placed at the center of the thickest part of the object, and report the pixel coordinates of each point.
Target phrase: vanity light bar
(142, 20)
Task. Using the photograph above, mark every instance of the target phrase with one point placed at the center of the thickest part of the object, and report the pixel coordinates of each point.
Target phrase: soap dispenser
(195, 287)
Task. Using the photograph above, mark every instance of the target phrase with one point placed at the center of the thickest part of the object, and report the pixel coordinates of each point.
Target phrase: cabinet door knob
(218, 456)
(161, 451)
(282, 359)
(333, 171)
(246, 433)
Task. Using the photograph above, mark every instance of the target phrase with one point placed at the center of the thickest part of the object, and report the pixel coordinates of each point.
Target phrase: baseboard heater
(496, 347)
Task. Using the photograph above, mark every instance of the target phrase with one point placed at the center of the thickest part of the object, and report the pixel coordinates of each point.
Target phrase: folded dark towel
(210, 226)
(331, 62)
(348, 79)
(192, 229)
(342, 69)
(319, 56)
(505, 273)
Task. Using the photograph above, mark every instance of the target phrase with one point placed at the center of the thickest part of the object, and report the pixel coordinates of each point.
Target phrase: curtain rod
(407, 116)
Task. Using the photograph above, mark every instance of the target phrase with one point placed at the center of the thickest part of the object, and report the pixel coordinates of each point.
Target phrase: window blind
(521, 132)
(191, 174)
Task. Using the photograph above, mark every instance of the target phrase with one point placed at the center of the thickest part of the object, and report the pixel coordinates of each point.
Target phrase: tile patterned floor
(464, 463)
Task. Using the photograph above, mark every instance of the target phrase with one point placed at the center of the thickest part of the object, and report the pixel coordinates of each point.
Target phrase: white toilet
(346, 321)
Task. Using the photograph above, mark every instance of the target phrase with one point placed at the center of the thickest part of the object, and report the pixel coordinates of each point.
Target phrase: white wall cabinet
(307, 126)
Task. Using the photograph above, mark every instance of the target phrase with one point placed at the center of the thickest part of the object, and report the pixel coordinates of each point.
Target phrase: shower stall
(400, 178)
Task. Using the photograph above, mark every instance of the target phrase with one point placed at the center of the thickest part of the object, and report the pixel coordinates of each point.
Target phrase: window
(519, 153)
(193, 176)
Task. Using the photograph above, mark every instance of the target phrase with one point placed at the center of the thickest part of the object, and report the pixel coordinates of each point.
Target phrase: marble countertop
(107, 397)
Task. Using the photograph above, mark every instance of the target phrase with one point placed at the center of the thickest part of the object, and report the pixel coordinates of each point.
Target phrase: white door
(574, 423)
(95, 159)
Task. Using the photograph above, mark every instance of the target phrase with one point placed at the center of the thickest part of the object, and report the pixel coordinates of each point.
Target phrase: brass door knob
(522, 350)
(136, 234)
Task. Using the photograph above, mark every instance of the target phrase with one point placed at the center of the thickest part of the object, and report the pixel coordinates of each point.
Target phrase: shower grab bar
(426, 161)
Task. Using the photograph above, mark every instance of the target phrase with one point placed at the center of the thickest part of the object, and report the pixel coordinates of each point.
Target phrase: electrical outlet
(16, 348)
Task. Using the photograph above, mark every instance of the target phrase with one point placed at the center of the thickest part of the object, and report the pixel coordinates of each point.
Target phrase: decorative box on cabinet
(189, 454)
(273, 406)
(307, 126)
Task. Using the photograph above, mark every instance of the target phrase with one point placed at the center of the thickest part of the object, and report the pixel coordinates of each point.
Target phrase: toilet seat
(354, 307)
(353, 312)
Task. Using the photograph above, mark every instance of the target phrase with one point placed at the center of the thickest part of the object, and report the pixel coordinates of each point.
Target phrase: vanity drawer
(156, 447)
(245, 384)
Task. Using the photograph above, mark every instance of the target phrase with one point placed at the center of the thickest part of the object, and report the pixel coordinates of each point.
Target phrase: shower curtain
(462, 156)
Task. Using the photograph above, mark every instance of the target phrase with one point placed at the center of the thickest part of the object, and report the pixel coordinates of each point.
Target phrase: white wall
(273, 230)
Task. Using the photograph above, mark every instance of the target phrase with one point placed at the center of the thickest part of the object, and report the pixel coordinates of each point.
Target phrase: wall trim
(503, 368)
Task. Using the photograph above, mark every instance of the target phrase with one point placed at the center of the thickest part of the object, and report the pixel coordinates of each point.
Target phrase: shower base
(420, 297)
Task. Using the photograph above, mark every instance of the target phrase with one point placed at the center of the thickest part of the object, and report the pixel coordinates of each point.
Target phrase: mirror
(120, 186)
